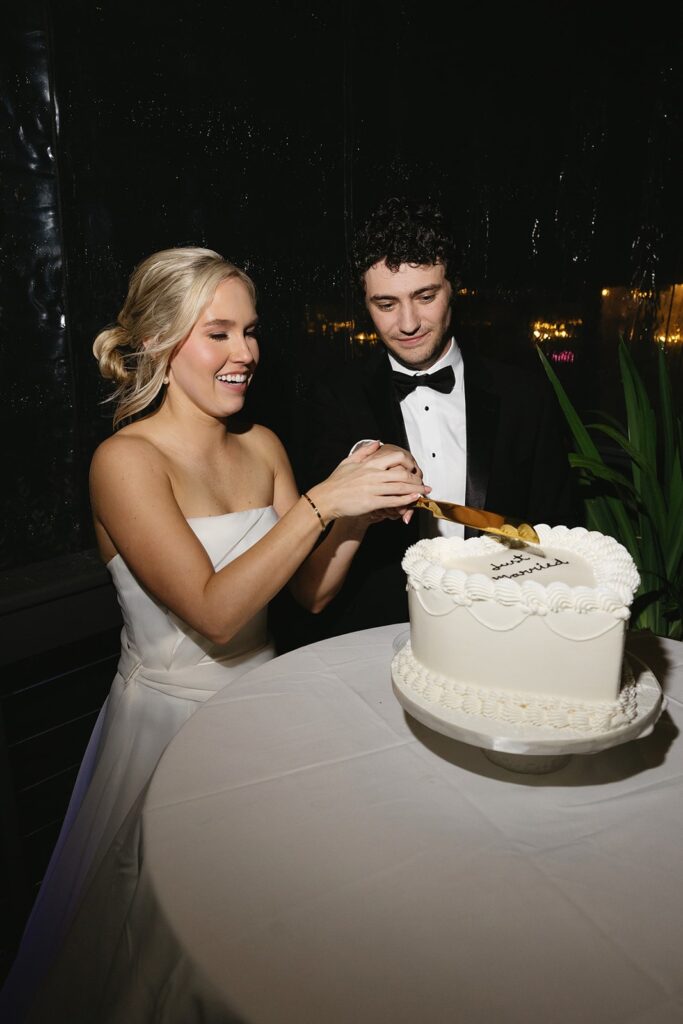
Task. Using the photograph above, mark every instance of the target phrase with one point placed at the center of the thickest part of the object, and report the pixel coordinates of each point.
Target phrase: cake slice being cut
(531, 634)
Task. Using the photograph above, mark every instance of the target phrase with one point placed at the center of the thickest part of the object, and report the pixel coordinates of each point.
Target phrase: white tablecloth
(318, 856)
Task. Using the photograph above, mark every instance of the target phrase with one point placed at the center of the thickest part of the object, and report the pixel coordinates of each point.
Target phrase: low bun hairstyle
(109, 349)
(167, 294)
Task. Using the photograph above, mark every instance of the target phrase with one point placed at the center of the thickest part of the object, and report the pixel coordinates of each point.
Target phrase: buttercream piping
(426, 565)
(516, 707)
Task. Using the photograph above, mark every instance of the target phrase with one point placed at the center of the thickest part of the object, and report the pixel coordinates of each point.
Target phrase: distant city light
(669, 339)
(321, 325)
(622, 312)
(552, 330)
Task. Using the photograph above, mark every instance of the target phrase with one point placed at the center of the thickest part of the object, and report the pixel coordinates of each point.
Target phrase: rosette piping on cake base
(529, 634)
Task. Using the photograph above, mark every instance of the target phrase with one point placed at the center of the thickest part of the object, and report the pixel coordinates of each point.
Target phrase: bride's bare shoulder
(128, 451)
(264, 440)
(263, 436)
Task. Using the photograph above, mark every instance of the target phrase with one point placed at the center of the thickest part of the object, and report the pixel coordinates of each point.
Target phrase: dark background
(551, 133)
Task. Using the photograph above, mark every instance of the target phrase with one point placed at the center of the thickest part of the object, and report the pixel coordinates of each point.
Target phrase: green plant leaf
(673, 551)
(642, 507)
(605, 417)
(598, 468)
(581, 436)
(636, 410)
(674, 501)
(599, 517)
(622, 441)
(650, 492)
(668, 418)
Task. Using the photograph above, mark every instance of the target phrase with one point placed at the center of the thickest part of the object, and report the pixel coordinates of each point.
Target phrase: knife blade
(480, 519)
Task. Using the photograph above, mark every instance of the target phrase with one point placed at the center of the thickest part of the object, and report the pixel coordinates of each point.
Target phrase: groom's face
(411, 310)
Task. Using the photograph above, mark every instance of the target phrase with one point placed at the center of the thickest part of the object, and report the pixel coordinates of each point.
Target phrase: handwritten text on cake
(516, 560)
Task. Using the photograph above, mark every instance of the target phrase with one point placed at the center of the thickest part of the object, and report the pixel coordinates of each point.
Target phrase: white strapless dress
(165, 671)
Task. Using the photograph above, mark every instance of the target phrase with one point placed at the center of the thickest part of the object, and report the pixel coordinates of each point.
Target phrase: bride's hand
(376, 482)
(405, 513)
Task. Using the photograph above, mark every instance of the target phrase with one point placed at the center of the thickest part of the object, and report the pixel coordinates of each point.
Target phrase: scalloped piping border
(516, 707)
(615, 570)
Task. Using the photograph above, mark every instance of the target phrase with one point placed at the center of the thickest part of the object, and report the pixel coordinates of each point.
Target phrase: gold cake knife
(480, 519)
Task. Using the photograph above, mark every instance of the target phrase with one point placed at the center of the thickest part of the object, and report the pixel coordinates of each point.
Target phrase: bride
(200, 523)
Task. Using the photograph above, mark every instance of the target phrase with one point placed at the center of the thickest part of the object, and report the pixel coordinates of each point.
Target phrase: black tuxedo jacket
(516, 464)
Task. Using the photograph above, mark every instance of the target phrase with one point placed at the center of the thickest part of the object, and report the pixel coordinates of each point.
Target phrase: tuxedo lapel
(482, 409)
(384, 403)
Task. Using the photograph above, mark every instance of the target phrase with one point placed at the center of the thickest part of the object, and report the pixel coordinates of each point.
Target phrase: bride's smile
(214, 366)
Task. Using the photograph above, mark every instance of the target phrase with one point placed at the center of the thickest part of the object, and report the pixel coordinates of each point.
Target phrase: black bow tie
(443, 380)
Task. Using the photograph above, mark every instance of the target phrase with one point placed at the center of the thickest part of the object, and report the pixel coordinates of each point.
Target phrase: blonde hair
(167, 294)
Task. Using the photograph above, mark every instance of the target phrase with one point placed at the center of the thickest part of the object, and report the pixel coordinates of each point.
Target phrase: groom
(484, 434)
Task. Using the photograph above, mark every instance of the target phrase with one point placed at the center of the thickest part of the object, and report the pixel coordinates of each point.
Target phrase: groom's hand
(365, 450)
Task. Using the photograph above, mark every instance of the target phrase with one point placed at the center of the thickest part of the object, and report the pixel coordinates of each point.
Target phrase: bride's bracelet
(315, 509)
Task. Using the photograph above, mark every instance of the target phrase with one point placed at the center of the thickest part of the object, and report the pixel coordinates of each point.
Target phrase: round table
(316, 855)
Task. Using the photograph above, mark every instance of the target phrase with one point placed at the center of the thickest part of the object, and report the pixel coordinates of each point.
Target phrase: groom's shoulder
(512, 380)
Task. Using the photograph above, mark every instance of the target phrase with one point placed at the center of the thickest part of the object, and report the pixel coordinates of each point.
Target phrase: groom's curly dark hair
(405, 231)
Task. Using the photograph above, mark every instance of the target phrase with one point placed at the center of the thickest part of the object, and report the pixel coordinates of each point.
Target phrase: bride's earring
(165, 380)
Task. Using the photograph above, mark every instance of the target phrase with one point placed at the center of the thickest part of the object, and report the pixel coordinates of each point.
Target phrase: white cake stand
(536, 749)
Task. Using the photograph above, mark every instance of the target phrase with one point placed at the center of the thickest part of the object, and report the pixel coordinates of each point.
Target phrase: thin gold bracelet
(315, 509)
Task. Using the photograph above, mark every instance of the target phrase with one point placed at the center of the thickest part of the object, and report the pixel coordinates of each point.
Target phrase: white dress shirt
(436, 431)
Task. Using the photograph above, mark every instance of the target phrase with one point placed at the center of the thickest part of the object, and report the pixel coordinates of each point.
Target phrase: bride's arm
(321, 575)
(134, 504)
